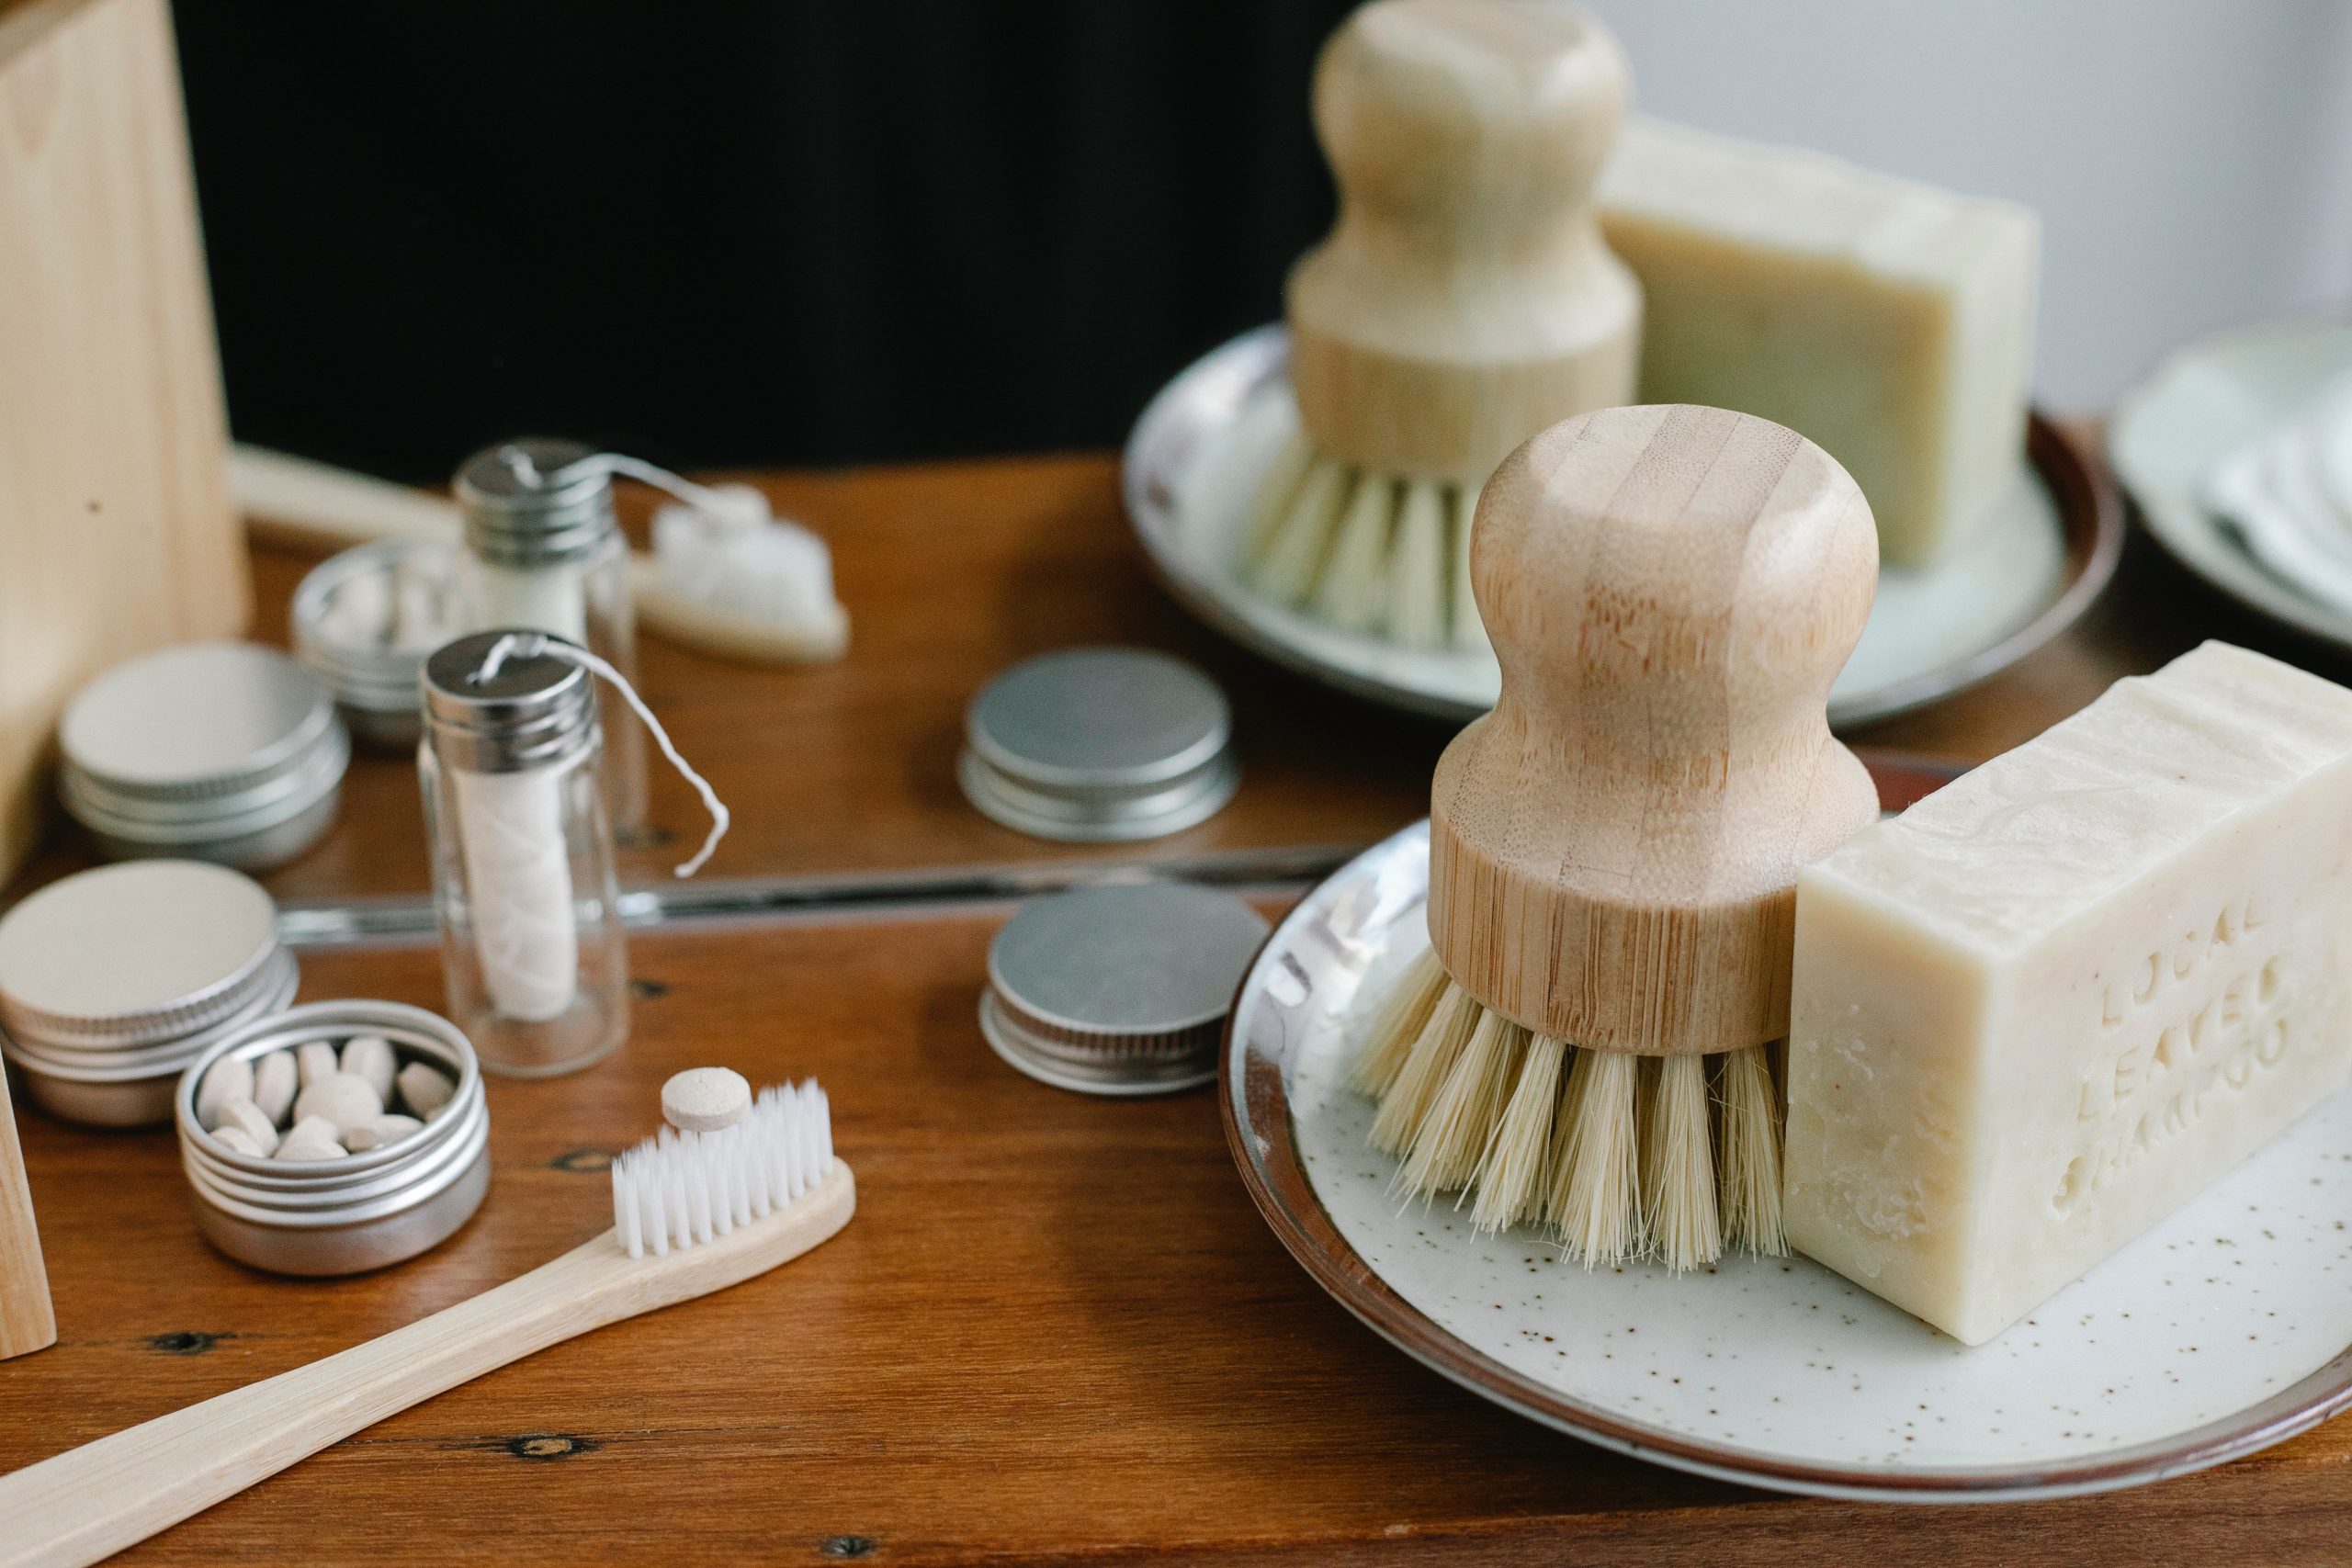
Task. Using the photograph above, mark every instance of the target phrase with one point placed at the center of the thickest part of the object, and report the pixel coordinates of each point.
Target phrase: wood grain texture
(1057, 1333)
(1464, 299)
(1613, 851)
(92, 1501)
(28, 1323)
(115, 533)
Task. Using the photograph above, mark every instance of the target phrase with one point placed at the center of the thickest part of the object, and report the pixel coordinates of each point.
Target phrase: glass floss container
(544, 551)
(524, 887)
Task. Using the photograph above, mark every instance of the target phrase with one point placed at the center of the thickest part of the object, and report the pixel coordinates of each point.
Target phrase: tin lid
(535, 501)
(136, 954)
(537, 711)
(356, 627)
(1099, 743)
(191, 741)
(1120, 990)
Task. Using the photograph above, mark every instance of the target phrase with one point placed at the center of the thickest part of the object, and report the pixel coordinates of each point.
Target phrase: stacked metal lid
(1099, 743)
(112, 981)
(1120, 989)
(223, 752)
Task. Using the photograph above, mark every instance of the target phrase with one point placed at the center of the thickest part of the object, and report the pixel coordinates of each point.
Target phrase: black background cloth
(740, 231)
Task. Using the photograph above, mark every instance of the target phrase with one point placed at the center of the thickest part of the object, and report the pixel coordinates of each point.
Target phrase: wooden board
(116, 532)
(1055, 1331)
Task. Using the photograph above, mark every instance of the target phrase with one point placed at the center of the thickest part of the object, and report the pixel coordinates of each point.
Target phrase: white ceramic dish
(1196, 456)
(2220, 1332)
(2203, 399)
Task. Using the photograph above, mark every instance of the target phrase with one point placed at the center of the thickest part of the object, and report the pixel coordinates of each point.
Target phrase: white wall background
(2191, 159)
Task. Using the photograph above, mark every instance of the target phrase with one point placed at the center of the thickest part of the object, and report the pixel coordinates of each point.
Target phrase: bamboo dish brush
(741, 1186)
(1613, 851)
(1462, 302)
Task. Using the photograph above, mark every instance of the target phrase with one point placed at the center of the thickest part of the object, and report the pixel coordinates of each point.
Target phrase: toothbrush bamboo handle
(92, 1501)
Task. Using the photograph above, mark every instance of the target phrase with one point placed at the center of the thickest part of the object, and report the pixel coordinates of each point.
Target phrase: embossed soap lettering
(2219, 1053)
(2132, 1067)
(2173, 964)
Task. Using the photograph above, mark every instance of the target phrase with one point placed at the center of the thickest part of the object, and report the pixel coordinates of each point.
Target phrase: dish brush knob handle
(1671, 591)
(1464, 299)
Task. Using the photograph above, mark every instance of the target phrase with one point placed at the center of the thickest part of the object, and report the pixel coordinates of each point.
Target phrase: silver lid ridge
(1097, 744)
(536, 500)
(537, 711)
(1119, 990)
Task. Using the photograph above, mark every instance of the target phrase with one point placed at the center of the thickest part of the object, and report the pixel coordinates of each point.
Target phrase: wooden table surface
(1057, 1330)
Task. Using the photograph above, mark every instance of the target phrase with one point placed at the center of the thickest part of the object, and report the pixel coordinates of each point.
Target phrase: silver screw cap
(1099, 743)
(1118, 990)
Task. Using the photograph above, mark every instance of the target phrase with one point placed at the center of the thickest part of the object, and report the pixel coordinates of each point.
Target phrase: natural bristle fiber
(1620, 1157)
(1377, 554)
(1396, 1023)
(1597, 1197)
(1751, 1152)
(1679, 1166)
(1447, 1144)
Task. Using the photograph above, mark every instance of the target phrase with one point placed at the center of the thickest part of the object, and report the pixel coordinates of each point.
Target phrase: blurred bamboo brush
(1463, 301)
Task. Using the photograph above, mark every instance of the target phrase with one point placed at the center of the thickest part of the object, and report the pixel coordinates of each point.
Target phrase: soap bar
(1890, 322)
(2051, 1002)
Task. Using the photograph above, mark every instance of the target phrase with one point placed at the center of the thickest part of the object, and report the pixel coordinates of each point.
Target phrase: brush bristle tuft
(677, 1188)
(1679, 1178)
(1751, 1152)
(1380, 554)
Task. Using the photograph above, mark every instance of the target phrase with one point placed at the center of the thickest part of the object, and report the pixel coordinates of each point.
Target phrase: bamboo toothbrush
(1463, 301)
(1613, 851)
(694, 1212)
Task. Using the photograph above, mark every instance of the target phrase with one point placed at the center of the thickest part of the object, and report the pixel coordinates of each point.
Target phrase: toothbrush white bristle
(676, 1188)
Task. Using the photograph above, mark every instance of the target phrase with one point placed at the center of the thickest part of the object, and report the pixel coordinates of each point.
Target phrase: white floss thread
(526, 645)
(511, 830)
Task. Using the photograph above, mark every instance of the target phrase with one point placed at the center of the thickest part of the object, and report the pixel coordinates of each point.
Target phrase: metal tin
(536, 500)
(113, 980)
(223, 752)
(363, 1211)
(375, 686)
(1099, 743)
(1119, 991)
(536, 712)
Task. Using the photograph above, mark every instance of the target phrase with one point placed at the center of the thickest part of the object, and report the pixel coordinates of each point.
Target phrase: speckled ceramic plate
(2221, 1331)
(2204, 399)
(1196, 456)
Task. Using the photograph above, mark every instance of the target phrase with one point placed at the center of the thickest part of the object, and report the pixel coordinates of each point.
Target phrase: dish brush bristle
(1447, 1144)
(1616, 1154)
(1377, 554)
(1352, 593)
(1751, 1152)
(1679, 1174)
(677, 1188)
(1403, 1013)
(1511, 1179)
(1431, 1056)
(1596, 1202)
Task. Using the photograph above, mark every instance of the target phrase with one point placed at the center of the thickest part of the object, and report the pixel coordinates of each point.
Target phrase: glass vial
(545, 552)
(522, 881)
